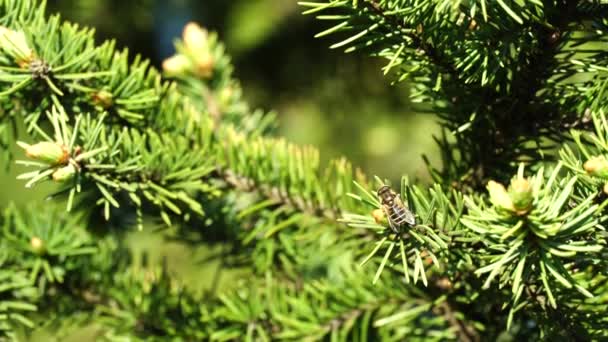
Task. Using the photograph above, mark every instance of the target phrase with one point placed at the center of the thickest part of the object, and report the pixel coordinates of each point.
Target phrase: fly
(396, 212)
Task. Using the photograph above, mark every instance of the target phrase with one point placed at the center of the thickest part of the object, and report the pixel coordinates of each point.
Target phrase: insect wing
(387, 212)
(409, 216)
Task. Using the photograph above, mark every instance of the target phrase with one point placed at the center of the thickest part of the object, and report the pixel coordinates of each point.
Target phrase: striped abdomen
(400, 215)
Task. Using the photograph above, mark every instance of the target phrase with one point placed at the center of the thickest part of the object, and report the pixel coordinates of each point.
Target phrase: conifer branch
(418, 42)
(114, 132)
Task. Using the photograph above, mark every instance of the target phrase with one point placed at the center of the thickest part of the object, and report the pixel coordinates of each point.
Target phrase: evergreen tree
(508, 243)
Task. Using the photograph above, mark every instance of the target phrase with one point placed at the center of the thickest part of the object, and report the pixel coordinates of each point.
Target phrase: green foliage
(586, 161)
(350, 309)
(503, 73)
(45, 243)
(40, 247)
(15, 300)
(509, 81)
(146, 303)
(541, 247)
(413, 246)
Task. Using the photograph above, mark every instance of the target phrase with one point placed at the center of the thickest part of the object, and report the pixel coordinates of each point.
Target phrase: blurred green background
(339, 102)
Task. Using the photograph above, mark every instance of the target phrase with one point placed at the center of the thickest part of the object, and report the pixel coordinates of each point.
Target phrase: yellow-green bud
(64, 174)
(37, 245)
(15, 45)
(103, 99)
(521, 195)
(499, 196)
(597, 166)
(225, 96)
(204, 64)
(378, 215)
(195, 38)
(176, 65)
(48, 152)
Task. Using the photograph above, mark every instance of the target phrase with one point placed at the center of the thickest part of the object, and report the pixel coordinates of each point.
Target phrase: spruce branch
(39, 248)
(412, 247)
(587, 157)
(504, 94)
(288, 173)
(162, 309)
(130, 166)
(203, 73)
(128, 141)
(417, 41)
(384, 311)
(144, 167)
(534, 237)
(106, 174)
(16, 300)
(44, 243)
(126, 161)
(136, 87)
(35, 60)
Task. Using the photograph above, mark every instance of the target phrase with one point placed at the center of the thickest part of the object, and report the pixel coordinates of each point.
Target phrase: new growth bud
(378, 215)
(499, 196)
(15, 45)
(37, 245)
(196, 57)
(597, 166)
(517, 199)
(176, 65)
(204, 65)
(103, 98)
(195, 38)
(521, 195)
(225, 95)
(196, 42)
(64, 174)
(47, 152)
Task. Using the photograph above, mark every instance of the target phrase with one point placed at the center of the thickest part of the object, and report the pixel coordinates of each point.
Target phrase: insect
(396, 212)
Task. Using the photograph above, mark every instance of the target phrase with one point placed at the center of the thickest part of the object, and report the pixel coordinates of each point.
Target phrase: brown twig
(247, 184)
(466, 332)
